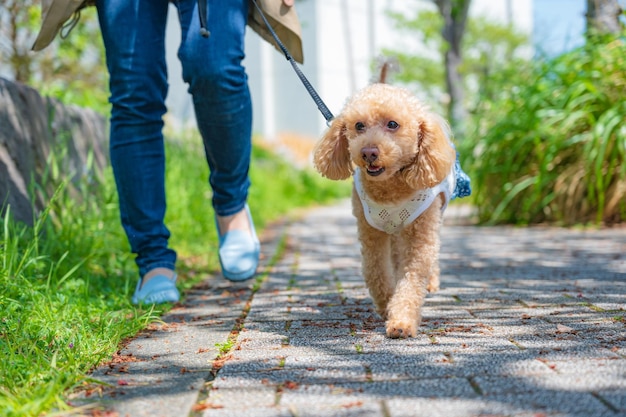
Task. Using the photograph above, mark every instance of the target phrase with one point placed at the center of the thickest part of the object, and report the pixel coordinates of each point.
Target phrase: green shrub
(551, 146)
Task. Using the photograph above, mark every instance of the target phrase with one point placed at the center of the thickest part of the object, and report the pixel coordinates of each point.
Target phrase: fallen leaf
(354, 404)
(291, 385)
(205, 406)
(560, 328)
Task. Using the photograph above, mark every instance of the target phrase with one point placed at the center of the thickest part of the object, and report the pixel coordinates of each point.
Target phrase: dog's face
(385, 131)
(381, 131)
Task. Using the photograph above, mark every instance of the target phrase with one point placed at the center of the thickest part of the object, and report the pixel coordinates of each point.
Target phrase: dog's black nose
(369, 154)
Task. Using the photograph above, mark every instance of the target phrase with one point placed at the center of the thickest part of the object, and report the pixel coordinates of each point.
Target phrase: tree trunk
(454, 13)
(15, 16)
(603, 16)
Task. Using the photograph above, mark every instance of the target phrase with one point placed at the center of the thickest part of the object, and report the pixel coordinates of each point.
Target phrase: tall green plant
(551, 146)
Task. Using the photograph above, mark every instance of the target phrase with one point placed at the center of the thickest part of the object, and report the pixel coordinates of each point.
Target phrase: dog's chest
(392, 218)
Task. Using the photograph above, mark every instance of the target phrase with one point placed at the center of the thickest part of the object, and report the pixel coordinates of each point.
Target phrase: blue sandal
(159, 289)
(239, 252)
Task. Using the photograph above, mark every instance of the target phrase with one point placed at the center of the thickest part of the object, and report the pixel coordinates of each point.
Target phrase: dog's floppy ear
(331, 156)
(435, 155)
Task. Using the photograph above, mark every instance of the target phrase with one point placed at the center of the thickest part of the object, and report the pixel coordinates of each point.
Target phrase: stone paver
(529, 322)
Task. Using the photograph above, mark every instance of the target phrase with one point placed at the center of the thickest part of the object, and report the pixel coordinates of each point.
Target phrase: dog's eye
(392, 125)
(359, 126)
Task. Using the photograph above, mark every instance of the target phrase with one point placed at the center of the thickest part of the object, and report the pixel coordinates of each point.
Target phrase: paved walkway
(529, 322)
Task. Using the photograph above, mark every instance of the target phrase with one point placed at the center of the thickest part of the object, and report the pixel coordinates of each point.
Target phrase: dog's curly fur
(400, 147)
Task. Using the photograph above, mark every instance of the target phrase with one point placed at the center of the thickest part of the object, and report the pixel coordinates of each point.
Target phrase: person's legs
(219, 86)
(134, 37)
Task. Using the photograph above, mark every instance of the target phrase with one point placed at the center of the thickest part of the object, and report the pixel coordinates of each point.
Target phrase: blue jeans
(134, 38)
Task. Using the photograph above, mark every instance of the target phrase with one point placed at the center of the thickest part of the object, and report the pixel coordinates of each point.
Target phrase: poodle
(403, 165)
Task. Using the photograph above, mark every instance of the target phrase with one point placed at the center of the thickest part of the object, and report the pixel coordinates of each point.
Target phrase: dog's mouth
(374, 171)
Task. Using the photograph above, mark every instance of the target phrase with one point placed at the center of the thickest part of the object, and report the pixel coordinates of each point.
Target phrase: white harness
(392, 218)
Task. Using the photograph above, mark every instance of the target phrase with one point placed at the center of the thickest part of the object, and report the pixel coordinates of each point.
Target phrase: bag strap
(202, 14)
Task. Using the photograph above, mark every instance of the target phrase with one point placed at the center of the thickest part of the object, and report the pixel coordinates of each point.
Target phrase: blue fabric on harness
(463, 187)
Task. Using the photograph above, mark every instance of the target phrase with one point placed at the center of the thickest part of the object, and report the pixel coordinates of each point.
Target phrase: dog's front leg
(377, 271)
(376, 261)
(419, 260)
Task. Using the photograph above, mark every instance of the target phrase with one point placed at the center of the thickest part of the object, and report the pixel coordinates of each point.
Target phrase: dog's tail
(387, 66)
(384, 70)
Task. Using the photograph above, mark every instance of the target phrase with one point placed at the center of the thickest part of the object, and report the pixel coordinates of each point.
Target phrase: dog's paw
(433, 284)
(382, 312)
(381, 309)
(401, 329)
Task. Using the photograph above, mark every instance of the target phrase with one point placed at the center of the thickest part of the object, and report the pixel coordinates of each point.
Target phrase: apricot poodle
(403, 163)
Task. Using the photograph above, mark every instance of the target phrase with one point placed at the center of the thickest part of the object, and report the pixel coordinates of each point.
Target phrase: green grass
(66, 282)
(64, 305)
(551, 146)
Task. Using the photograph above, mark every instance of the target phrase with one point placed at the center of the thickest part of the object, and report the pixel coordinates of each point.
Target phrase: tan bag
(55, 14)
(280, 13)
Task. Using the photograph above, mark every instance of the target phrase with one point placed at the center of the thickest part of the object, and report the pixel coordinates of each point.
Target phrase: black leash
(316, 98)
(202, 12)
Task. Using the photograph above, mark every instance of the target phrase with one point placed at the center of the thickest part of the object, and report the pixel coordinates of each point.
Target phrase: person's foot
(156, 287)
(237, 221)
(238, 245)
